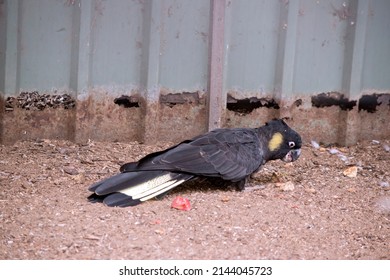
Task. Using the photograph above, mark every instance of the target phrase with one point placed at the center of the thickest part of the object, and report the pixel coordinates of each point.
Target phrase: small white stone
(315, 144)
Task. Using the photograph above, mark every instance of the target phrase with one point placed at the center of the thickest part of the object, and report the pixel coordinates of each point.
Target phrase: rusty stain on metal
(172, 99)
(103, 120)
(21, 124)
(2, 111)
(185, 120)
(344, 12)
(182, 115)
(151, 123)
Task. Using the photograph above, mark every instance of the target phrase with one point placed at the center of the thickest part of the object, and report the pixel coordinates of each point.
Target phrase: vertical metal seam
(289, 52)
(12, 48)
(85, 47)
(353, 81)
(359, 43)
(150, 68)
(82, 56)
(216, 65)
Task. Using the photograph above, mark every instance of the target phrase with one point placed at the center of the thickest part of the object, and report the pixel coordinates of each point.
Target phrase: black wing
(231, 154)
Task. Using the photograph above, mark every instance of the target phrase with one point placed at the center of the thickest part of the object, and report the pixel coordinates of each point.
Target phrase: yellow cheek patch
(275, 142)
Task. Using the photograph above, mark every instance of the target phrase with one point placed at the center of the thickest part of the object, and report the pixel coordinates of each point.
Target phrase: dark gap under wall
(298, 102)
(127, 101)
(332, 99)
(247, 105)
(368, 102)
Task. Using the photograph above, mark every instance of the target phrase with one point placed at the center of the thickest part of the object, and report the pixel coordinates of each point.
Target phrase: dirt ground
(333, 203)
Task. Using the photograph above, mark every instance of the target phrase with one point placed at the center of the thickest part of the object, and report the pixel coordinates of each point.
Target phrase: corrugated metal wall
(187, 66)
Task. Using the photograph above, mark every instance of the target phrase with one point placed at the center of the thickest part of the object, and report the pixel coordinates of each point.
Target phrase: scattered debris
(386, 147)
(37, 102)
(339, 154)
(350, 172)
(311, 190)
(333, 151)
(71, 170)
(277, 178)
(254, 188)
(287, 186)
(78, 178)
(315, 144)
(383, 204)
(43, 208)
(343, 157)
(159, 231)
(155, 222)
(92, 237)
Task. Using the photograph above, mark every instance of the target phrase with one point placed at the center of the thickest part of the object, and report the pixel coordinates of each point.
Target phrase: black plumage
(230, 154)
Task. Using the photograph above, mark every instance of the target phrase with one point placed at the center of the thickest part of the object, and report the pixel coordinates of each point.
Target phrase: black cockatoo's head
(283, 142)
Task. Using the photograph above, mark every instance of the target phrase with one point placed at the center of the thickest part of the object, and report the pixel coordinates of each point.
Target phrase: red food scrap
(181, 203)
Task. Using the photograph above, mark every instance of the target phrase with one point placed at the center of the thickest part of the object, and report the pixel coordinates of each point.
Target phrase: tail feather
(120, 200)
(132, 188)
(159, 190)
(162, 181)
(121, 181)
